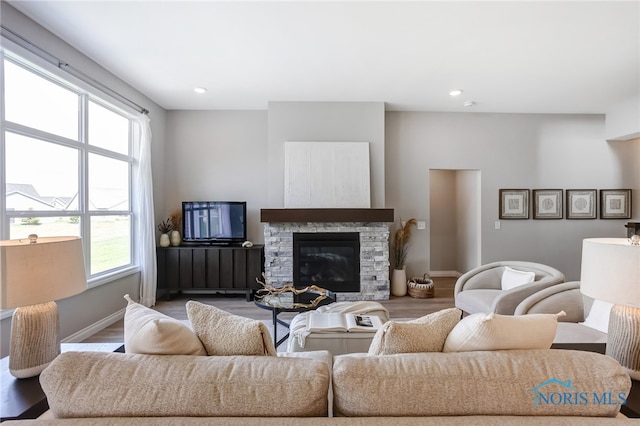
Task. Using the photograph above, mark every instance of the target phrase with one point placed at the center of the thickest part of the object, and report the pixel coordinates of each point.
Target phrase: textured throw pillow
(223, 333)
(425, 334)
(492, 332)
(598, 317)
(150, 332)
(512, 278)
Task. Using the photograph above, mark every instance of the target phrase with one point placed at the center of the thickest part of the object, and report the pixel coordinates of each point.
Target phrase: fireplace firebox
(328, 259)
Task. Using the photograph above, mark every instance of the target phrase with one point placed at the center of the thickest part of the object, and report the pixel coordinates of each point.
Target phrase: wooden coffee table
(24, 398)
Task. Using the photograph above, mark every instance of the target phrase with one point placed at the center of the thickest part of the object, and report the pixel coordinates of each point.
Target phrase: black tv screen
(214, 222)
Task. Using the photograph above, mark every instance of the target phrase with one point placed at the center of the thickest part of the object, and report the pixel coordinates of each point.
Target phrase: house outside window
(66, 165)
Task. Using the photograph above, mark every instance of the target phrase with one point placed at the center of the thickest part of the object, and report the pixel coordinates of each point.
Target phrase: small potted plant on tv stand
(165, 227)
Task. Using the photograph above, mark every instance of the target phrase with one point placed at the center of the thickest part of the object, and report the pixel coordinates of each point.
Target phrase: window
(67, 160)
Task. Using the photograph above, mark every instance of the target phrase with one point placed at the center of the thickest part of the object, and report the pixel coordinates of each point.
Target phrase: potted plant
(165, 227)
(400, 250)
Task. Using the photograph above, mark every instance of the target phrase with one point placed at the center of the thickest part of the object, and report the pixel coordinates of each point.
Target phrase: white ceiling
(537, 57)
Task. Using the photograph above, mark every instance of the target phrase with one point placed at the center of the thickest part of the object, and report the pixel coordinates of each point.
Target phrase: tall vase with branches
(176, 221)
(400, 251)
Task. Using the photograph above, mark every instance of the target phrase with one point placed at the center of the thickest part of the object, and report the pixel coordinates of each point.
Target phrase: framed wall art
(326, 175)
(547, 204)
(514, 204)
(581, 203)
(615, 204)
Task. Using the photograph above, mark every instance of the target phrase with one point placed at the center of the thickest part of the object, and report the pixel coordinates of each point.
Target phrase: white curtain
(144, 215)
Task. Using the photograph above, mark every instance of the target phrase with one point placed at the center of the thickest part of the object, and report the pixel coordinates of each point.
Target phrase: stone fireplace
(370, 227)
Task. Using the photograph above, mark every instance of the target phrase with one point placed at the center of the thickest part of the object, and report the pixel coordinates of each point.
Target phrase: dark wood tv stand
(209, 268)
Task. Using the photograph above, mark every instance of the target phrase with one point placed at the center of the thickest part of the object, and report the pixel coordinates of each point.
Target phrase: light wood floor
(399, 307)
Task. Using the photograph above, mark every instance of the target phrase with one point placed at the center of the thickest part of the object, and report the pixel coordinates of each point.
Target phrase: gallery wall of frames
(565, 203)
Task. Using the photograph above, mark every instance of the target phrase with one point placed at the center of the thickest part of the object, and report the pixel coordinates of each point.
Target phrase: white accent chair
(480, 289)
(567, 297)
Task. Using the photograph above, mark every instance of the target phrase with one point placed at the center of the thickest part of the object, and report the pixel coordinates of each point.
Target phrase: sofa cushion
(509, 383)
(488, 332)
(480, 300)
(424, 334)
(98, 384)
(512, 278)
(320, 355)
(147, 331)
(223, 333)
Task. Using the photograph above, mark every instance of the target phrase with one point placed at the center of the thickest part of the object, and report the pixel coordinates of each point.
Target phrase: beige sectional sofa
(537, 387)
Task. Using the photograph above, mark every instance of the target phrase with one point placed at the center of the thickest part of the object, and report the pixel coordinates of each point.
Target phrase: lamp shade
(611, 271)
(48, 269)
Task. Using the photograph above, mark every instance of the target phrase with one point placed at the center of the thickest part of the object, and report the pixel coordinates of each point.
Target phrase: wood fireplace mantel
(326, 215)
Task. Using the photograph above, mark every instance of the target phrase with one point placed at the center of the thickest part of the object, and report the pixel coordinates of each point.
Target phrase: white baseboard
(445, 274)
(87, 332)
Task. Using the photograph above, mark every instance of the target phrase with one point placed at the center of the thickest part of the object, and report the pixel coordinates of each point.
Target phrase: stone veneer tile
(374, 255)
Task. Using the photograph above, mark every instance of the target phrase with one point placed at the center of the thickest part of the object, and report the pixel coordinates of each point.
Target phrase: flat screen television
(214, 222)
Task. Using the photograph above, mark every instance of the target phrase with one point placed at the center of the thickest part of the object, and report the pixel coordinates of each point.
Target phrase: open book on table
(334, 321)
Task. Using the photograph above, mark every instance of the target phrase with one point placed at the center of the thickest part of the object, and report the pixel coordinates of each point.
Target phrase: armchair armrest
(485, 276)
(489, 276)
(551, 300)
(507, 301)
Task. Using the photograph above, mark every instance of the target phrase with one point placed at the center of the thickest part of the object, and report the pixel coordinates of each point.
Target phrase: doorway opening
(454, 221)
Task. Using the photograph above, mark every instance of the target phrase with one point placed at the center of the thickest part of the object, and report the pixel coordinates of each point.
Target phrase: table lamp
(611, 272)
(34, 272)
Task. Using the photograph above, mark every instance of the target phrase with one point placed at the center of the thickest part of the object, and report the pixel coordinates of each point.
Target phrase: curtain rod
(40, 52)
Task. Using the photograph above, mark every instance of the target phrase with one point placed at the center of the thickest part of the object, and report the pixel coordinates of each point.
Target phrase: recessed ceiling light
(456, 92)
(469, 103)
(200, 90)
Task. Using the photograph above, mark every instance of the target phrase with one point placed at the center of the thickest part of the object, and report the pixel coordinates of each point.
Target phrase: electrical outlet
(422, 224)
(497, 224)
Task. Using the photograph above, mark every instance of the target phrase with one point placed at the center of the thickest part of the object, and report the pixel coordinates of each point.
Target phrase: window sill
(92, 283)
(110, 277)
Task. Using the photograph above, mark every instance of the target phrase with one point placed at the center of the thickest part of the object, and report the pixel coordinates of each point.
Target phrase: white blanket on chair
(298, 329)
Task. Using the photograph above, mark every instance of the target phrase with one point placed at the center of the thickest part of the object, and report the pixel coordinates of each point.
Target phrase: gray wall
(490, 151)
(218, 155)
(534, 151)
(623, 119)
(239, 155)
(98, 303)
(325, 122)
(468, 219)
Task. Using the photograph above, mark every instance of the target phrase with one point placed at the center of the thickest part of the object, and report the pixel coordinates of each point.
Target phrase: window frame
(86, 93)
